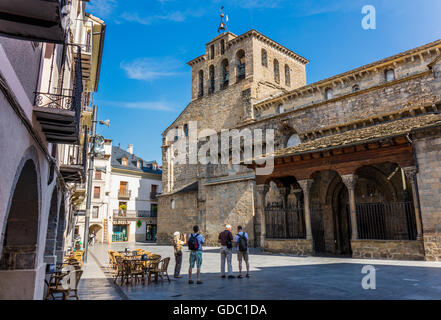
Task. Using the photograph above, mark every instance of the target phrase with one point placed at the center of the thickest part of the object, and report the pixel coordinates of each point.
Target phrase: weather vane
(223, 25)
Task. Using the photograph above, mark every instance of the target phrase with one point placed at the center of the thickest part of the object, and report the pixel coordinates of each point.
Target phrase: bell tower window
(240, 63)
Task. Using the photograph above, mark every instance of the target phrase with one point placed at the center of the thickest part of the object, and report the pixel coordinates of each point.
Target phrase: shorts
(242, 254)
(196, 256)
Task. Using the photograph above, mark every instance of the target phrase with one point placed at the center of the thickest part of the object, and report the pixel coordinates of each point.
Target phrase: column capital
(350, 180)
(305, 184)
(410, 173)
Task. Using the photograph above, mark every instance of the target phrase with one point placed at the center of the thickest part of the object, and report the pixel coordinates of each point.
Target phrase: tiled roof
(118, 154)
(363, 135)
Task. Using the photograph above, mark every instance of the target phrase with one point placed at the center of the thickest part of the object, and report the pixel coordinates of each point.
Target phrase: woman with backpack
(242, 250)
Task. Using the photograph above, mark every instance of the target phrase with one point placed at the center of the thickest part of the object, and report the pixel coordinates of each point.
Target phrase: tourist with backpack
(226, 251)
(195, 242)
(242, 250)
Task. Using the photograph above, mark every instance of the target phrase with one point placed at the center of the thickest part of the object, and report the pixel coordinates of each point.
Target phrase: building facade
(125, 191)
(356, 160)
(48, 71)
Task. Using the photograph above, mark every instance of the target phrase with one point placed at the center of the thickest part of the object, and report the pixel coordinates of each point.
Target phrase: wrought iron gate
(284, 223)
(386, 221)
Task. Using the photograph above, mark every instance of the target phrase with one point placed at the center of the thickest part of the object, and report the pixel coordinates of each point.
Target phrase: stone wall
(229, 203)
(388, 249)
(299, 247)
(182, 218)
(432, 246)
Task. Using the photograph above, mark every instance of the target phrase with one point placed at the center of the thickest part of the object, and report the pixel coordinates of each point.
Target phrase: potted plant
(122, 209)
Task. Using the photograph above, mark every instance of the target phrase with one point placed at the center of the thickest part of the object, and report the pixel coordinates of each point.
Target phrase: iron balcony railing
(154, 196)
(134, 214)
(61, 97)
(124, 193)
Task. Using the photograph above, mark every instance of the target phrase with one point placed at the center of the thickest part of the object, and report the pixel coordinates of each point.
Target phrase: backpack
(243, 242)
(193, 244)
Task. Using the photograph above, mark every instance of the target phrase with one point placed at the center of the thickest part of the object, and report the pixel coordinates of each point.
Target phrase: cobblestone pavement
(273, 276)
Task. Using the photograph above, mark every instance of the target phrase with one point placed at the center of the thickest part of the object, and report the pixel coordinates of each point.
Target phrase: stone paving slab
(273, 276)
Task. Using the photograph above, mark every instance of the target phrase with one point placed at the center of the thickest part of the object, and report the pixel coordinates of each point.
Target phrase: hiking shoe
(190, 282)
(240, 276)
(199, 282)
(223, 276)
(247, 275)
(231, 277)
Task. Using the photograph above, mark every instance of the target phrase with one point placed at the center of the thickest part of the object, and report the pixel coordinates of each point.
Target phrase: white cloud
(151, 68)
(102, 8)
(174, 16)
(142, 105)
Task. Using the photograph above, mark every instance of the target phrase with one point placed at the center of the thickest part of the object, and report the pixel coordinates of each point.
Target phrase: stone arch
(98, 229)
(51, 234)
(19, 238)
(212, 79)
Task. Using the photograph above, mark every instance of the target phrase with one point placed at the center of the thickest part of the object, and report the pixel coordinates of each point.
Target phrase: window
(95, 212)
(287, 76)
(276, 71)
(172, 203)
(154, 209)
(186, 130)
(240, 65)
(123, 185)
(225, 74)
(212, 52)
(201, 83)
(280, 109)
(97, 175)
(212, 80)
(329, 94)
(124, 161)
(294, 140)
(389, 75)
(154, 188)
(355, 88)
(264, 58)
(222, 46)
(96, 192)
(139, 163)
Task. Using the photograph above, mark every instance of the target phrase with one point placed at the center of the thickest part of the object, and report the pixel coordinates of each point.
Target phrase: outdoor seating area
(137, 266)
(65, 278)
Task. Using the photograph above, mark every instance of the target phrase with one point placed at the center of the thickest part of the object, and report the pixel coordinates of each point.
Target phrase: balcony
(134, 214)
(154, 196)
(73, 164)
(35, 20)
(124, 194)
(59, 110)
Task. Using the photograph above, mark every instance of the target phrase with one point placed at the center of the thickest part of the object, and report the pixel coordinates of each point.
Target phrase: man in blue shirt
(242, 250)
(196, 256)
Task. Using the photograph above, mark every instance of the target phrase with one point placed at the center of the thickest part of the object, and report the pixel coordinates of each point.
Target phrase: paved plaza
(273, 276)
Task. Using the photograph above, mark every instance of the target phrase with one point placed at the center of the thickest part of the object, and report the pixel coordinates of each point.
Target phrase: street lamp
(95, 139)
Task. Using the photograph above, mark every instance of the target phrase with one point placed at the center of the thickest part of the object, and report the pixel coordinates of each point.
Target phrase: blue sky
(145, 82)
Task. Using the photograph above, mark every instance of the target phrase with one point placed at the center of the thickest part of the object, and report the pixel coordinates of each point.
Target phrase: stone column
(410, 173)
(284, 197)
(306, 187)
(261, 191)
(350, 180)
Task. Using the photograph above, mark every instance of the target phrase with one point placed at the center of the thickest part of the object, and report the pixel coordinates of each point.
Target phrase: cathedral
(357, 156)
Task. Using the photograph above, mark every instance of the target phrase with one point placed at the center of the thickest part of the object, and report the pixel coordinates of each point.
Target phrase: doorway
(150, 232)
